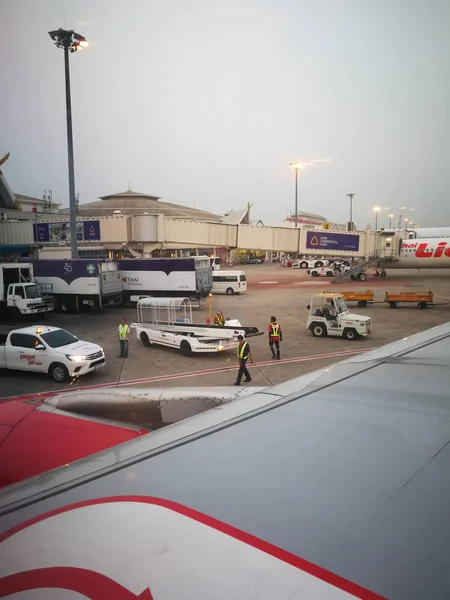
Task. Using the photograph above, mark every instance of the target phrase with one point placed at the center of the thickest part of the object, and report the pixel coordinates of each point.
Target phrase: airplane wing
(331, 486)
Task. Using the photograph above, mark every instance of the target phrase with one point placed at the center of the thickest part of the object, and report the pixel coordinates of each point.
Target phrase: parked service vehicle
(321, 272)
(169, 322)
(329, 316)
(214, 261)
(229, 282)
(19, 293)
(308, 263)
(80, 284)
(49, 350)
(252, 260)
(166, 277)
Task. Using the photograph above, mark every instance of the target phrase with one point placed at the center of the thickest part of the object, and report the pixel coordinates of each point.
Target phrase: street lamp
(297, 166)
(350, 225)
(376, 210)
(70, 41)
(390, 221)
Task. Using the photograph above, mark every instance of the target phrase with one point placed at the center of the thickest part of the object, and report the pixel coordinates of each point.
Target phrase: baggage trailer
(422, 299)
(168, 322)
(361, 298)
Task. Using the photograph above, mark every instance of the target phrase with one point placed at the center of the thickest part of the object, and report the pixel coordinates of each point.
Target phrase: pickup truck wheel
(314, 274)
(362, 277)
(318, 330)
(350, 334)
(59, 373)
(230, 291)
(185, 348)
(303, 264)
(144, 339)
(330, 274)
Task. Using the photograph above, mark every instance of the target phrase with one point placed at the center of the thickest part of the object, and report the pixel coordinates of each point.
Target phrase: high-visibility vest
(123, 331)
(219, 319)
(241, 351)
(274, 330)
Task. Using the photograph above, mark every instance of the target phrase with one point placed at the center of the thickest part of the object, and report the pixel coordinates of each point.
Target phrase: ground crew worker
(219, 319)
(123, 335)
(275, 337)
(243, 353)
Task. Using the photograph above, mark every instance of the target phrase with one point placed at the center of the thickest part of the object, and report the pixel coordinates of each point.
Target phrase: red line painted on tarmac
(112, 384)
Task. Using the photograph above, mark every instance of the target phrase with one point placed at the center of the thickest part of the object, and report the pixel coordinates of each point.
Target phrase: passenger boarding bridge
(142, 234)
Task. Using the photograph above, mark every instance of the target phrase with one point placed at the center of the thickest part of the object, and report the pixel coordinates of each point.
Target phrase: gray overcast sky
(205, 102)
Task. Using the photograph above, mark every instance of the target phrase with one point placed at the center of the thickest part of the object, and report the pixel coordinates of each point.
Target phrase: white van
(229, 282)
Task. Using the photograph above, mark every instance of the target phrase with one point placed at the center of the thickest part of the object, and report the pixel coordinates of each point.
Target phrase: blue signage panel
(60, 232)
(316, 240)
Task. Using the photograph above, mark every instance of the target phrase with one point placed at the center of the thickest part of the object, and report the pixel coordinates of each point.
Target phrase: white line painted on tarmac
(267, 281)
(311, 282)
(112, 384)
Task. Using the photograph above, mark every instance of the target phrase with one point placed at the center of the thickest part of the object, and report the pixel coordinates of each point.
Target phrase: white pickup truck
(49, 350)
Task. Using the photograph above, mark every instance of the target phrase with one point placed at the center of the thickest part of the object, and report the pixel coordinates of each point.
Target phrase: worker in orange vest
(219, 319)
(275, 337)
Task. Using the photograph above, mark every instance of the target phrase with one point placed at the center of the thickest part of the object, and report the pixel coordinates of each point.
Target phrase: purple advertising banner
(332, 241)
(60, 232)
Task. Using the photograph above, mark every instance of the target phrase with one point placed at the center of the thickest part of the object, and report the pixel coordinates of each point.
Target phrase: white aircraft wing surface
(331, 486)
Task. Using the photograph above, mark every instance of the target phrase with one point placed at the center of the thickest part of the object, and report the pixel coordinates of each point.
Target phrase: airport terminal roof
(7, 199)
(135, 203)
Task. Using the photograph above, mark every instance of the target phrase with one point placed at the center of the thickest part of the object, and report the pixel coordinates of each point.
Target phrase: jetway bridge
(143, 234)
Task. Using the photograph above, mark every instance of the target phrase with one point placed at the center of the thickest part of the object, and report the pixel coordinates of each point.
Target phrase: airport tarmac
(272, 290)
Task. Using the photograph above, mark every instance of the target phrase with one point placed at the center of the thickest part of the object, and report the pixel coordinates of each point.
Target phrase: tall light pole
(299, 166)
(350, 225)
(390, 221)
(376, 210)
(70, 41)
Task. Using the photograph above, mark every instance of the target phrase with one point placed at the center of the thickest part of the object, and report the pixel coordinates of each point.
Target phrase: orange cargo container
(421, 298)
(362, 298)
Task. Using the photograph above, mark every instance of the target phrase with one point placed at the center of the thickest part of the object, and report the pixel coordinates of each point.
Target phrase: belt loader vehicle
(168, 322)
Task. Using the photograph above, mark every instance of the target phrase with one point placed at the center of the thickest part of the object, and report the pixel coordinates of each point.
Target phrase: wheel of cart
(318, 330)
(185, 348)
(393, 304)
(145, 341)
(422, 305)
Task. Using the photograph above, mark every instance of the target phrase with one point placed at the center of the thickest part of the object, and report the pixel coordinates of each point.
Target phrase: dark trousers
(277, 346)
(243, 370)
(123, 348)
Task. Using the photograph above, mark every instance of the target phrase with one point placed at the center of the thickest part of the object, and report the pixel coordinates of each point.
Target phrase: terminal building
(133, 224)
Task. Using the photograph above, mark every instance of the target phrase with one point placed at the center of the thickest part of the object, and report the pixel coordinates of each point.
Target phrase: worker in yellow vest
(219, 319)
(123, 335)
(275, 337)
(243, 353)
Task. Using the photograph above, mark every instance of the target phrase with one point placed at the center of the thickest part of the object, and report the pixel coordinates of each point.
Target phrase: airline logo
(422, 250)
(152, 549)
